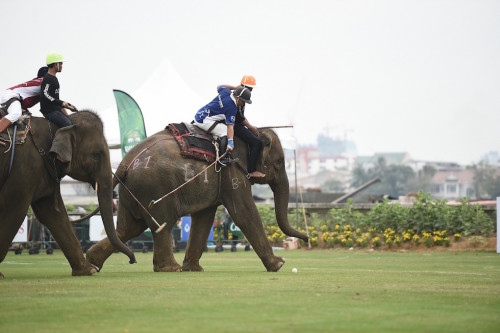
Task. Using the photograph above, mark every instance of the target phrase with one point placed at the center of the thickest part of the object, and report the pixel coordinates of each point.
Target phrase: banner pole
(498, 225)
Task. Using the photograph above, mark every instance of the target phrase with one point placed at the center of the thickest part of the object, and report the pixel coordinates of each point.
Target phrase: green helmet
(53, 57)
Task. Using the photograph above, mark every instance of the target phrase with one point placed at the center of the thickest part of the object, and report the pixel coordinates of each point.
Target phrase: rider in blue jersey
(218, 116)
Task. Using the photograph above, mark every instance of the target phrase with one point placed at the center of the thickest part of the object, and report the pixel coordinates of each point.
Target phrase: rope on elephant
(11, 141)
(154, 202)
(160, 227)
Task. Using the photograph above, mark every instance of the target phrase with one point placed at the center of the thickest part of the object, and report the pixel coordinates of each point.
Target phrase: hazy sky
(421, 77)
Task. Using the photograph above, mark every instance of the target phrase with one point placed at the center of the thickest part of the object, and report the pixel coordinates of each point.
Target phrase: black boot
(227, 159)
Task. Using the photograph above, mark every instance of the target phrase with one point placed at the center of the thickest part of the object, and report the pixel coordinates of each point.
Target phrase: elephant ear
(266, 139)
(64, 142)
(267, 142)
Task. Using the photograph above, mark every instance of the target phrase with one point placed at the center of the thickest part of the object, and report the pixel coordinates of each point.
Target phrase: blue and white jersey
(222, 107)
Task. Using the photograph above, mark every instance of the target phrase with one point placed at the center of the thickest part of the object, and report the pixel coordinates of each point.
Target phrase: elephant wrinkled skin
(155, 167)
(34, 180)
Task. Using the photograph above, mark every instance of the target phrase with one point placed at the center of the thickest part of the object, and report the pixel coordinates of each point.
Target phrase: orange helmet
(248, 81)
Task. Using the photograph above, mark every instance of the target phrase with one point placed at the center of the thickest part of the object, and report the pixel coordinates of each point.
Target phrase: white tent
(163, 98)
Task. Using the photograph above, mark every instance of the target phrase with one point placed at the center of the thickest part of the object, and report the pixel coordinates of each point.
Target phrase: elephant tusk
(96, 186)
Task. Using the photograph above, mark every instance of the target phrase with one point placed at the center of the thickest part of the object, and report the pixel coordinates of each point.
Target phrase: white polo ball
(294, 270)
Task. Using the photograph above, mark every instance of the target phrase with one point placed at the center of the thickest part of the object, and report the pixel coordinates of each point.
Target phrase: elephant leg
(11, 220)
(201, 223)
(247, 218)
(57, 221)
(163, 254)
(127, 227)
(14, 205)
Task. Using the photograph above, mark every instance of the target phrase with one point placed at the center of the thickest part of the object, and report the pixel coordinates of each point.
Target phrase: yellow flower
(426, 235)
(416, 239)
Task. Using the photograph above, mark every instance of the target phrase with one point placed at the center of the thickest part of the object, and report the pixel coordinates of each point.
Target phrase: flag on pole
(131, 121)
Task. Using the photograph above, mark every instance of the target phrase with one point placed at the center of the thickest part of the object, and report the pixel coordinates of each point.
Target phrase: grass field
(338, 290)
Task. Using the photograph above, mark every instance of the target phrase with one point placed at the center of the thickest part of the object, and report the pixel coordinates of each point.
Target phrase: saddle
(194, 142)
(23, 128)
(5, 106)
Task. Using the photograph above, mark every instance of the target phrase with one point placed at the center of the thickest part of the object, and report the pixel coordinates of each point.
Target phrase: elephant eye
(280, 163)
(96, 156)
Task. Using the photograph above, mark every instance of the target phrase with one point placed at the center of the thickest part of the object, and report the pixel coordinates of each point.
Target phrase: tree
(332, 185)
(422, 181)
(359, 176)
(487, 180)
(394, 179)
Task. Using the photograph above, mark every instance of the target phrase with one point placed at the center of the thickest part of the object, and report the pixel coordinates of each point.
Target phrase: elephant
(35, 180)
(155, 167)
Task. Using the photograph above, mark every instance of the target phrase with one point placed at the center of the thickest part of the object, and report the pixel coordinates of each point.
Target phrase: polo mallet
(13, 148)
(154, 202)
(160, 227)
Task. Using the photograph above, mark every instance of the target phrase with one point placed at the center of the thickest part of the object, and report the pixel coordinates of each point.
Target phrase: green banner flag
(132, 129)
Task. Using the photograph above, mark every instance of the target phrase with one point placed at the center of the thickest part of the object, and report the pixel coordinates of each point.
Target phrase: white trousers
(14, 110)
(219, 130)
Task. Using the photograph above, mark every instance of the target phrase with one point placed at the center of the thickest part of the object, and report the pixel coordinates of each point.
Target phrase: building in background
(454, 184)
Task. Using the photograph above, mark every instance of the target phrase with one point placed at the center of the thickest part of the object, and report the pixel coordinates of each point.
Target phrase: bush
(431, 222)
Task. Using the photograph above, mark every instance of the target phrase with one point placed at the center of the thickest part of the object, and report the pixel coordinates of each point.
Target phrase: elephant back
(33, 141)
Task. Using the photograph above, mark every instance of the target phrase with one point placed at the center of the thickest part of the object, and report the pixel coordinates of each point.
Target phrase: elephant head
(85, 150)
(272, 163)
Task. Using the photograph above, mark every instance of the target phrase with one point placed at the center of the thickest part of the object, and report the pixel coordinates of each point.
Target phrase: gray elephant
(34, 180)
(155, 167)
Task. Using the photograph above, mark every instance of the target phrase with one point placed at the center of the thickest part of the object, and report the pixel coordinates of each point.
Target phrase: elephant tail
(121, 174)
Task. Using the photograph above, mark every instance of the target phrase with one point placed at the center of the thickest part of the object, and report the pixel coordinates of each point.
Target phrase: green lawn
(338, 290)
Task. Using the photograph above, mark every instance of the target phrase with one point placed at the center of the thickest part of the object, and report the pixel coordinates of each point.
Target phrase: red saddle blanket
(193, 141)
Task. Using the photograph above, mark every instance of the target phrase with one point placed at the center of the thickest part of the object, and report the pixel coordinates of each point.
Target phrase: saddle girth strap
(215, 124)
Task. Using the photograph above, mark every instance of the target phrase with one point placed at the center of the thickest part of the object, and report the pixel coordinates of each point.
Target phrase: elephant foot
(96, 256)
(169, 268)
(274, 264)
(87, 269)
(190, 267)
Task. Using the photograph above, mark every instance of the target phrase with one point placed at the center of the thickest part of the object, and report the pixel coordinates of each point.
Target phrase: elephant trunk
(281, 192)
(105, 197)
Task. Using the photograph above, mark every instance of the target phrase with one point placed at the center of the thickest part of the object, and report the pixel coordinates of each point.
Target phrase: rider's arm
(226, 86)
